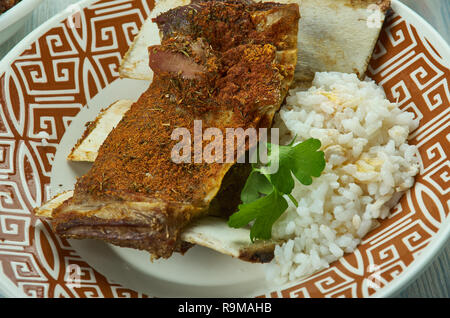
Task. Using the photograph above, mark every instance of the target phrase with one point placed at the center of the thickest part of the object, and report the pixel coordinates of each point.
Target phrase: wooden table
(435, 280)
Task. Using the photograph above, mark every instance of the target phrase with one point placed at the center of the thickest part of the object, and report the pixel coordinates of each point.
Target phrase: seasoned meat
(333, 37)
(210, 231)
(231, 65)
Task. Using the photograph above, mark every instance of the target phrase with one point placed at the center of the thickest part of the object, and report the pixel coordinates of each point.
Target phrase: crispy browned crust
(123, 235)
(135, 195)
(384, 5)
(259, 252)
(150, 226)
(86, 148)
(89, 127)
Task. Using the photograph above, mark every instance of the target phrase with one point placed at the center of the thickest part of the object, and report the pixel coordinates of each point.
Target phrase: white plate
(410, 61)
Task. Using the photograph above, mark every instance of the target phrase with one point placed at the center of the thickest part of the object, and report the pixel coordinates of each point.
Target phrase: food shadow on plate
(199, 272)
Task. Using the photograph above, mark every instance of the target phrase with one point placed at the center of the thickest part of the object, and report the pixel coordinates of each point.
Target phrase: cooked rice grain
(369, 165)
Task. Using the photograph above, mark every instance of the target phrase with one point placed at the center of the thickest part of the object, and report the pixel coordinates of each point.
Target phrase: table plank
(434, 281)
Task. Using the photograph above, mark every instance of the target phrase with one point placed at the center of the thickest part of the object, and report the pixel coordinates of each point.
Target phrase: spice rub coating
(135, 195)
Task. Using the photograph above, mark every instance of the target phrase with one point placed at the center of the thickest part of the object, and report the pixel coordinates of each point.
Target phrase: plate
(58, 78)
(14, 19)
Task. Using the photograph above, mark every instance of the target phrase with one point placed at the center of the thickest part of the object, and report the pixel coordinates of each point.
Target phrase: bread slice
(337, 35)
(334, 35)
(96, 131)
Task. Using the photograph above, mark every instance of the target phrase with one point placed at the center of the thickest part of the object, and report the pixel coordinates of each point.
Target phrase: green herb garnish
(262, 196)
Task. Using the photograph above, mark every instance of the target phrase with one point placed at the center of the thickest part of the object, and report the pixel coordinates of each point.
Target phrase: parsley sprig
(263, 199)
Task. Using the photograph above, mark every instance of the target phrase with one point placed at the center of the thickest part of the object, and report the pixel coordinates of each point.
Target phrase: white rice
(369, 164)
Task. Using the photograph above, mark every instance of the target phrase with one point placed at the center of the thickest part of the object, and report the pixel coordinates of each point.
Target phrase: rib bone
(211, 232)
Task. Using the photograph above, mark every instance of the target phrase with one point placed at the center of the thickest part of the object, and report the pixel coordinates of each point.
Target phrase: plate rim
(442, 236)
(17, 12)
(33, 35)
(406, 277)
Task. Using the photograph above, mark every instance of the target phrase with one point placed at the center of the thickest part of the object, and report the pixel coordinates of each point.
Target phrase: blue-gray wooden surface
(434, 281)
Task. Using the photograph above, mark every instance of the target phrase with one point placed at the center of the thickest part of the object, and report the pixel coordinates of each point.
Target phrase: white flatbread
(87, 147)
(334, 35)
(337, 35)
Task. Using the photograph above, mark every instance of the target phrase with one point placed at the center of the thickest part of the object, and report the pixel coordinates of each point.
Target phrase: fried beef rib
(226, 64)
(333, 36)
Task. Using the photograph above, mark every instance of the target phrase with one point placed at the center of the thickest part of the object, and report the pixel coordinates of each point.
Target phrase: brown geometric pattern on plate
(410, 70)
(47, 85)
(43, 90)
